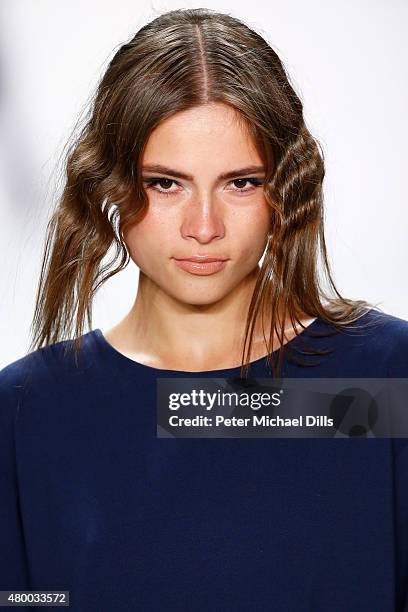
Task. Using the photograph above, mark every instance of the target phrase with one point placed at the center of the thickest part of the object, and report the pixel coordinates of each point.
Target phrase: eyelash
(153, 181)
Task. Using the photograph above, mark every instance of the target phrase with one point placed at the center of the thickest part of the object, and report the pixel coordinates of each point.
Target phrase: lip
(201, 266)
(202, 258)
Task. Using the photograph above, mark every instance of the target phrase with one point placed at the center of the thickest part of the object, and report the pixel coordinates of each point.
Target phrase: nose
(203, 220)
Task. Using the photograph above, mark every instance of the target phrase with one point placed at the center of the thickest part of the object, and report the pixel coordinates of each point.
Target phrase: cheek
(146, 238)
(251, 230)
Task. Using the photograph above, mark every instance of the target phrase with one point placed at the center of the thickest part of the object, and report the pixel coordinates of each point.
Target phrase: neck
(163, 332)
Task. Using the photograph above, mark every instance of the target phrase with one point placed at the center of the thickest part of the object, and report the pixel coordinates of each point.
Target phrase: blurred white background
(347, 61)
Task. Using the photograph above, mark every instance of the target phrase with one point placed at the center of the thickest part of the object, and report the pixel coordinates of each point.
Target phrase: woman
(197, 164)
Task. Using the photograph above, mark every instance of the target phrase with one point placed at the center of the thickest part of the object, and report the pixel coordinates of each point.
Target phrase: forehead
(211, 132)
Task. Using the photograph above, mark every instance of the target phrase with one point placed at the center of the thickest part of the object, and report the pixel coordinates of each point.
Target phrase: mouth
(201, 268)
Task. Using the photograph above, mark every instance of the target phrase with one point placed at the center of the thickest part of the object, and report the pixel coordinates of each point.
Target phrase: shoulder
(375, 345)
(386, 340)
(388, 325)
(391, 329)
(397, 344)
(42, 370)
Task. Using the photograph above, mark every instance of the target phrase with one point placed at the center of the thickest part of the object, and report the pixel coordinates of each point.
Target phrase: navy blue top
(94, 503)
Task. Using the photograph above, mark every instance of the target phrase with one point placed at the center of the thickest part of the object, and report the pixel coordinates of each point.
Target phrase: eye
(153, 182)
(240, 182)
(163, 185)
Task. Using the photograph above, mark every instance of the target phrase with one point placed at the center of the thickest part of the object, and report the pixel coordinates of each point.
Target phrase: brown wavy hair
(182, 59)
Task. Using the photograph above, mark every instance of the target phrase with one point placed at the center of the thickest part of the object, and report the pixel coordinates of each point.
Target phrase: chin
(204, 297)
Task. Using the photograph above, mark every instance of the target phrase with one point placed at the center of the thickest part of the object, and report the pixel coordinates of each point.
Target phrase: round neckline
(103, 342)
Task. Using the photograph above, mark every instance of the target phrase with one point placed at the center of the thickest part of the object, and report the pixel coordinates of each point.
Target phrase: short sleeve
(13, 560)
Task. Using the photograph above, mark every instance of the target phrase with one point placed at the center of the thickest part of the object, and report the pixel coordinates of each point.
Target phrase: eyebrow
(187, 177)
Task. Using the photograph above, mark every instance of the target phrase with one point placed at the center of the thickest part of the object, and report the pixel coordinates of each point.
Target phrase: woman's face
(201, 212)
